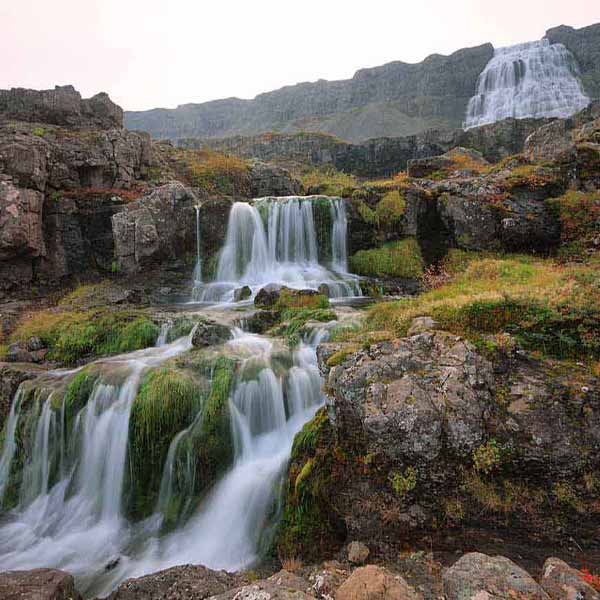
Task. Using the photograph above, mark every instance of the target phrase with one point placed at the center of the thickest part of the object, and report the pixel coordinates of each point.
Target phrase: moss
(390, 209)
(395, 259)
(76, 396)
(292, 300)
(309, 527)
(404, 483)
(166, 403)
(337, 358)
(182, 326)
(486, 458)
(368, 215)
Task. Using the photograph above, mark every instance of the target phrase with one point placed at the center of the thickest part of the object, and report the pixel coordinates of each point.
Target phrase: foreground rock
(188, 581)
(39, 584)
(375, 583)
(481, 577)
(560, 581)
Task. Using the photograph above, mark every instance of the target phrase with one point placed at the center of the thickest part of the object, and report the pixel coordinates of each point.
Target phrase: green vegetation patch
(166, 403)
(395, 259)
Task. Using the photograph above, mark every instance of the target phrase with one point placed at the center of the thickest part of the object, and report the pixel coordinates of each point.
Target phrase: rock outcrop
(410, 97)
(39, 584)
(61, 106)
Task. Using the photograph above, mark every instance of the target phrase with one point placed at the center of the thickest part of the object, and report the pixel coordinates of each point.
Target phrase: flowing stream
(275, 240)
(70, 512)
(535, 79)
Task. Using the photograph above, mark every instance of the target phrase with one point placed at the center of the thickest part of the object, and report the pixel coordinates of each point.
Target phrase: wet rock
(210, 333)
(189, 581)
(376, 583)
(261, 321)
(560, 581)
(421, 325)
(358, 553)
(34, 343)
(11, 376)
(268, 296)
(38, 584)
(17, 354)
(477, 575)
(242, 293)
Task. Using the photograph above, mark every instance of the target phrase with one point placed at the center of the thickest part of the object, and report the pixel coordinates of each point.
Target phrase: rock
(327, 579)
(270, 180)
(38, 584)
(280, 586)
(34, 343)
(560, 581)
(407, 396)
(11, 376)
(375, 583)
(457, 159)
(210, 334)
(155, 228)
(189, 581)
(242, 293)
(421, 325)
(61, 106)
(20, 222)
(551, 143)
(477, 575)
(268, 296)
(261, 321)
(17, 354)
(358, 553)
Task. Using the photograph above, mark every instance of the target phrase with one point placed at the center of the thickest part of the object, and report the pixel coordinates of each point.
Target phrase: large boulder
(155, 228)
(210, 333)
(188, 581)
(270, 180)
(551, 143)
(476, 576)
(376, 583)
(560, 581)
(38, 584)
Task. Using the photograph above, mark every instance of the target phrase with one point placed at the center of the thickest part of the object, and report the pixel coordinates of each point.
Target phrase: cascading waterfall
(70, 511)
(536, 79)
(274, 240)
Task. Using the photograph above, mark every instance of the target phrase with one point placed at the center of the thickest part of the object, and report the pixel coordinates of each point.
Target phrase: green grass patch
(395, 259)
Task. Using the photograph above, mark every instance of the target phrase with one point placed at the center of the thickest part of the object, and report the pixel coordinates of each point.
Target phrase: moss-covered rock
(400, 259)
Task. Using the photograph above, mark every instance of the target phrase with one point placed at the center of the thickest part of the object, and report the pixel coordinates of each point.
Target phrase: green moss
(390, 209)
(76, 396)
(404, 483)
(166, 403)
(337, 358)
(395, 259)
(309, 527)
(182, 326)
(368, 215)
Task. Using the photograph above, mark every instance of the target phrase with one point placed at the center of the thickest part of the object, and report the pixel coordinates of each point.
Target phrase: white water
(536, 79)
(78, 523)
(283, 249)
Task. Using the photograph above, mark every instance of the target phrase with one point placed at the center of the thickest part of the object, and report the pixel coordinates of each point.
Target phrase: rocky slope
(396, 99)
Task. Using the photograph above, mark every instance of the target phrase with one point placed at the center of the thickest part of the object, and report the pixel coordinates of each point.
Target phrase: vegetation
(548, 307)
(166, 403)
(72, 336)
(394, 259)
(329, 182)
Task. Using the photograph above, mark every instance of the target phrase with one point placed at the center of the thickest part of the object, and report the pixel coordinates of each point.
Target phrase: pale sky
(161, 53)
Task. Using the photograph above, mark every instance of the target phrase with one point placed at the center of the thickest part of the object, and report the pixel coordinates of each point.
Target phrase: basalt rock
(271, 180)
(61, 106)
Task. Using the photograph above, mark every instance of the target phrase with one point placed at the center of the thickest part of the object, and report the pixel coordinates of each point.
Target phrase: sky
(161, 53)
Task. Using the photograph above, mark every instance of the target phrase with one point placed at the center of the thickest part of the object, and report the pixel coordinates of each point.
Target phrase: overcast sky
(149, 53)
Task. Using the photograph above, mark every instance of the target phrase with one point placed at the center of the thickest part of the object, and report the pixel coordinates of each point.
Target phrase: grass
(329, 182)
(74, 335)
(548, 307)
(395, 259)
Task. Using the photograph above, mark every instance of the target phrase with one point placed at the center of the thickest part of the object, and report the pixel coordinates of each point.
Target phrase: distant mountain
(396, 99)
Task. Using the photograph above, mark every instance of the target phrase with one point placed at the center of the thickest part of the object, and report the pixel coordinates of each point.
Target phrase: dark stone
(209, 333)
(268, 296)
(242, 293)
(261, 321)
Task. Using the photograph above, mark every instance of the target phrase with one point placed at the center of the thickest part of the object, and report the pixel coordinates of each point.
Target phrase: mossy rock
(166, 403)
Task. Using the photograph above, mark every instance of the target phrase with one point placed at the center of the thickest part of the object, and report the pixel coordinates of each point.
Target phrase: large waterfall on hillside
(299, 242)
(536, 79)
(67, 474)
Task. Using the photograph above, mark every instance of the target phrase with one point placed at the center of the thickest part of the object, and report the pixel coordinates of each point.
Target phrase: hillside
(396, 99)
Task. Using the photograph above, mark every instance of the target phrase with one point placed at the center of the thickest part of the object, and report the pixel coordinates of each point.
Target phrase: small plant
(487, 457)
(403, 483)
(292, 564)
(39, 131)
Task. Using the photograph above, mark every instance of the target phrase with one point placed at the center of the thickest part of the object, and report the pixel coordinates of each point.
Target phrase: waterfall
(536, 79)
(274, 240)
(198, 267)
(71, 514)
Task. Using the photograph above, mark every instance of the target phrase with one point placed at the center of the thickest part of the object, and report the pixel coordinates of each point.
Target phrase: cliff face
(584, 43)
(61, 106)
(394, 99)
